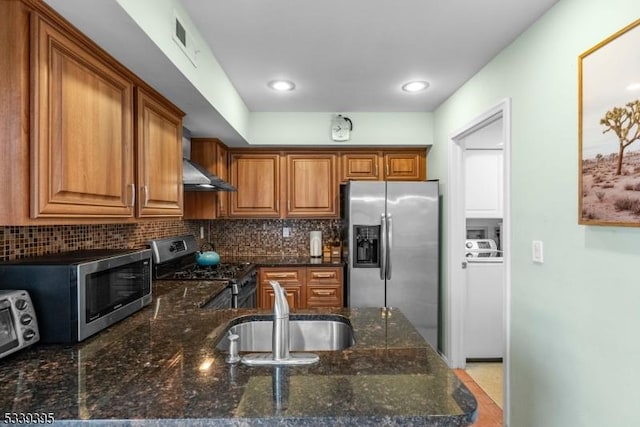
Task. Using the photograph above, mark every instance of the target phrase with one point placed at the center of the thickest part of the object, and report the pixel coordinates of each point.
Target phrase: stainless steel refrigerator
(393, 249)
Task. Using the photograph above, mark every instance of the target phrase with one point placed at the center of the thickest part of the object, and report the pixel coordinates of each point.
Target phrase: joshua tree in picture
(625, 123)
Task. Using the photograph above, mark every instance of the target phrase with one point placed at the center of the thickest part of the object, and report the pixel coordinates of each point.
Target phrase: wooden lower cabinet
(306, 287)
(292, 279)
(324, 287)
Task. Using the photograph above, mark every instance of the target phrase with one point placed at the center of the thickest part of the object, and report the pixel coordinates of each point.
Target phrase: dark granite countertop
(160, 367)
(286, 261)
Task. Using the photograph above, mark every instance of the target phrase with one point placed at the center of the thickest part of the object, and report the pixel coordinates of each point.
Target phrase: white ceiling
(344, 56)
(354, 55)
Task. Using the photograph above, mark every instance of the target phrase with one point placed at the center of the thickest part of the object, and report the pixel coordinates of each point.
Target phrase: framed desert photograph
(609, 130)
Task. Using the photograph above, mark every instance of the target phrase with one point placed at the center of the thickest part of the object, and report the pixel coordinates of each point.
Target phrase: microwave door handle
(383, 246)
(389, 245)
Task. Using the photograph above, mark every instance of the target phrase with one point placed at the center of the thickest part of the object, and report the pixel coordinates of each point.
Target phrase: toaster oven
(481, 248)
(18, 323)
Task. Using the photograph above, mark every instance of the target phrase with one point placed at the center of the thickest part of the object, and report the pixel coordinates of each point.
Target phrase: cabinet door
(82, 145)
(483, 183)
(257, 179)
(159, 154)
(292, 279)
(294, 297)
(312, 186)
(360, 166)
(324, 287)
(405, 166)
(208, 153)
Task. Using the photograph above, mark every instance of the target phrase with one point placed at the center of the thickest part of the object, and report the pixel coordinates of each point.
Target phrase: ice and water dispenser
(366, 246)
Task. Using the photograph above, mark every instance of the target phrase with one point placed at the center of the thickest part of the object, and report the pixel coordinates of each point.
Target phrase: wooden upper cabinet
(405, 166)
(312, 187)
(360, 166)
(211, 154)
(82, 136)
(159, 155)
(390, 165)
(257, 179)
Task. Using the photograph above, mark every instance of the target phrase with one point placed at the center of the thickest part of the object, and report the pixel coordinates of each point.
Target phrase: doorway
(457, 278)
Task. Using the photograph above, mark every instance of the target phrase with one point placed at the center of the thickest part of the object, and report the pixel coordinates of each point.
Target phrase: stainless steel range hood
(196, 177)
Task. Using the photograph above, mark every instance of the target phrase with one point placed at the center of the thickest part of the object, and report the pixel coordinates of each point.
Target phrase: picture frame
(609, 131)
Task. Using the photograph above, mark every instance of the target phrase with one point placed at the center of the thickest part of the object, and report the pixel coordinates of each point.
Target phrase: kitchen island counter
(160, 367)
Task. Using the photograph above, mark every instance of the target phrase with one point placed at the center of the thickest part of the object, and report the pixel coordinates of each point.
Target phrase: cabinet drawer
(281, 275)
(324, 296)
(324, 275)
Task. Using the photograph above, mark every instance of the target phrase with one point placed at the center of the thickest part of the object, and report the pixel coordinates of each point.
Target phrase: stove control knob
(469, 245)
(21, 304)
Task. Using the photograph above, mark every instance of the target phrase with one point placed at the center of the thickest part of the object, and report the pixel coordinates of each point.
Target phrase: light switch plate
(537, 251)
(286, 231)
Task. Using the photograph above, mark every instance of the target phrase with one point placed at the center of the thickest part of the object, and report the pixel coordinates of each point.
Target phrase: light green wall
(576, 318)
(368, 129)
(156, 19)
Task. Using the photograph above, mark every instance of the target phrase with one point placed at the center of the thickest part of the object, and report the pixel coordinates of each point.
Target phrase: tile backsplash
(240, 237)
(20, 242)
(244, 237)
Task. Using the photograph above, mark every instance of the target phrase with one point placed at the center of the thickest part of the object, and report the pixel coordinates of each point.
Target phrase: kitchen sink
(307, 333)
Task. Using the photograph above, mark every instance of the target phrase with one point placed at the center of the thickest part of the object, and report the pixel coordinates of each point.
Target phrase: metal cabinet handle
(387, 168)
(323, 293)
(146, 195)
(376, 165)
(133, 194)
(323, 275)
(280, 276)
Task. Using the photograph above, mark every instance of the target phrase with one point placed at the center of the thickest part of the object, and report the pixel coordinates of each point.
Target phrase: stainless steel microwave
(18, 323)
(77, 294)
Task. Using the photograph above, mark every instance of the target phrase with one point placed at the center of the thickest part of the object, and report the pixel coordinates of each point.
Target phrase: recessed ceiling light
(415, 86)
(634, 86)
(281, 85)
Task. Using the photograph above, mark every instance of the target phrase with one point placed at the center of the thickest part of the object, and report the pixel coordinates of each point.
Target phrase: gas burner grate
(220, 271)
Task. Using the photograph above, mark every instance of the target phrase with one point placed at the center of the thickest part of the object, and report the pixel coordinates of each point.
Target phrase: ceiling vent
(183, 39)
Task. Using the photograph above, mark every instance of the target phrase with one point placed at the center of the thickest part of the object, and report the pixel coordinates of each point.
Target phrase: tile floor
(488, 375)
(484, 380)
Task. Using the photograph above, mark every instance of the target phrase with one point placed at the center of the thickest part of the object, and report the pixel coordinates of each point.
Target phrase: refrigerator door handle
(383, 246)
(389, 242)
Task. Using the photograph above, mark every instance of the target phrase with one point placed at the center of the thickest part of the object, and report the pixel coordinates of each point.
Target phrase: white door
(457, 288)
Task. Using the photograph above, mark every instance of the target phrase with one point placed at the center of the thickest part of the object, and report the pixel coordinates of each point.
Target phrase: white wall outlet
(537, 251)
(201, 232)
(286, 231)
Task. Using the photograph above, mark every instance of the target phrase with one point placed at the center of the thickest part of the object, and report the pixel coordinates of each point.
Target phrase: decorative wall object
(609, 130)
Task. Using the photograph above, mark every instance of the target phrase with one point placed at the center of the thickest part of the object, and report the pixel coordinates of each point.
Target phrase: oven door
(247, 296)
(8, 336)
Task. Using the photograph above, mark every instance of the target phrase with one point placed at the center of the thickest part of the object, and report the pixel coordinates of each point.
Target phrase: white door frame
(456, 277)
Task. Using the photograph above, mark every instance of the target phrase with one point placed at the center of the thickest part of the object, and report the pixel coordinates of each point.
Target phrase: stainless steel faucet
(280, 336)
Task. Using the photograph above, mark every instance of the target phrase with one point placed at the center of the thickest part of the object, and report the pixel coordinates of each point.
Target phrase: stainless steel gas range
(174, 258)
